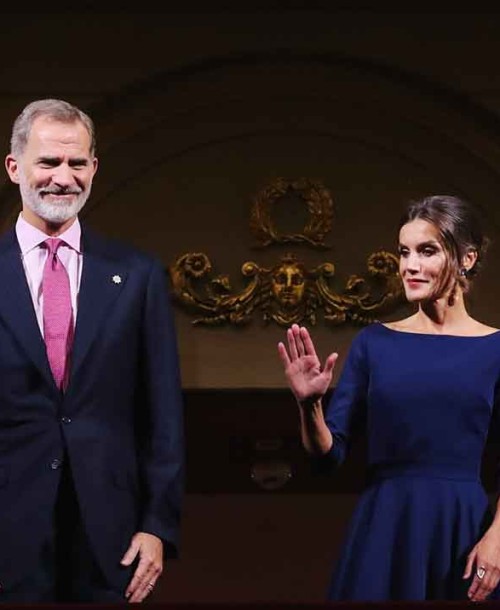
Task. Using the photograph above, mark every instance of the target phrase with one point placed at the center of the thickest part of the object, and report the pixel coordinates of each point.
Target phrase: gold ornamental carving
(286, 293)
(315, 197)
(289, 291)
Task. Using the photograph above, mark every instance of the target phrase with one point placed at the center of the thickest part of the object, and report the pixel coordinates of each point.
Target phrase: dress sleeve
(347, 406)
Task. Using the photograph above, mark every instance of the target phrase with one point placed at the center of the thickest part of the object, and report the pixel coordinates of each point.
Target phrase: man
(91, 441)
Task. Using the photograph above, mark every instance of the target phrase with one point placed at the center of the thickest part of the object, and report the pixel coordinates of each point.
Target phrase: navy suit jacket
(119, 423)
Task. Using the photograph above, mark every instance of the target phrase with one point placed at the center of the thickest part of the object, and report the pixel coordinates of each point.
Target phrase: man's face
(54, 172)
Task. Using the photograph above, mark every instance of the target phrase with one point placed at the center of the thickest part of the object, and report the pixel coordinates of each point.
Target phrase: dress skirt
(410, 535)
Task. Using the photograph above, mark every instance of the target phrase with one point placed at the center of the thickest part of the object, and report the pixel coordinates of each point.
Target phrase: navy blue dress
(427, 401)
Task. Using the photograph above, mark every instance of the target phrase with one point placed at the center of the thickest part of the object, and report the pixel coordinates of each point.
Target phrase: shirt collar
(29, 237)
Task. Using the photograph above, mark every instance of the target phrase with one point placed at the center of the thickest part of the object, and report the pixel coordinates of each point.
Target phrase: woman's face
(422, 261)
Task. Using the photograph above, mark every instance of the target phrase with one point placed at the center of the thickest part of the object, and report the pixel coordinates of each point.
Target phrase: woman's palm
(307, 380)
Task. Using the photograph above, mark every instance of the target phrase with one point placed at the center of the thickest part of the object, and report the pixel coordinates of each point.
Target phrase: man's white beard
(56, 213)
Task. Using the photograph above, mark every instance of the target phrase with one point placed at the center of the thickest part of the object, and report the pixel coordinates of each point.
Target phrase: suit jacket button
(55, 464)
(66, 420)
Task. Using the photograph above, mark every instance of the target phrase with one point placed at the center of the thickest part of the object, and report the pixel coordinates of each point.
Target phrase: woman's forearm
(316, 437)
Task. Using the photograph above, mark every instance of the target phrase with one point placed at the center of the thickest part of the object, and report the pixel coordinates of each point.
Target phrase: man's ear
(12, 168)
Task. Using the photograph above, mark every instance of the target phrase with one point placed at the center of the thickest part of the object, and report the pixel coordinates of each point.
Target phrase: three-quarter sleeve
(347, 406)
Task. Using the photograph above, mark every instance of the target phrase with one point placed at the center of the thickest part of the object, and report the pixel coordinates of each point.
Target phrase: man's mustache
(59, 191)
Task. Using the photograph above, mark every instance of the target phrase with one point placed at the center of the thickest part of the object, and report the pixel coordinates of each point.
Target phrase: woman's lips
(414, 282)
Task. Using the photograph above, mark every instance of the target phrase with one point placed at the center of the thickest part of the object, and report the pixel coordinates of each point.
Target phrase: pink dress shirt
(34, 254)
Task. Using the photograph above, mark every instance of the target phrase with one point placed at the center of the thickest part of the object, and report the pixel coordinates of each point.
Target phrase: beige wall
(197, 112)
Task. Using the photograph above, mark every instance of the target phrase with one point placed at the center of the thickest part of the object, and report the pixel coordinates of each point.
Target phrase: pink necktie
(57, 313)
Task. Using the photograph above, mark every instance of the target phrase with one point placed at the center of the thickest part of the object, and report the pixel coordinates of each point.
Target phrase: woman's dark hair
(460, 231)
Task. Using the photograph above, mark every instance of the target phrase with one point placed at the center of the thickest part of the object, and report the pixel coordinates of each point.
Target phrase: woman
(426, 388)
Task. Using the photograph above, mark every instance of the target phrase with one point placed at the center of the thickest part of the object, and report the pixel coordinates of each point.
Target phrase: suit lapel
(101, 283)
(16, 305)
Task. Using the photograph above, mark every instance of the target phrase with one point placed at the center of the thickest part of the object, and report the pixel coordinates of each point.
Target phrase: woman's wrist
(310, 403)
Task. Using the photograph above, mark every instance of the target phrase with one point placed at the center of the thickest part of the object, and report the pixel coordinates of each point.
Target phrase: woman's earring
(463, 272)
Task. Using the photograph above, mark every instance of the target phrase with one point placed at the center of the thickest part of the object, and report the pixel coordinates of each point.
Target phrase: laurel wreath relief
(319, 205)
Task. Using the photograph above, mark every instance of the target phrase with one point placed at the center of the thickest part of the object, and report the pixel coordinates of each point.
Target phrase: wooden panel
(230, 431)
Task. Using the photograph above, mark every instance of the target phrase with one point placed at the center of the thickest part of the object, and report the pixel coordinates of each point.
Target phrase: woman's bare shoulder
(483, 329)
(467, 328)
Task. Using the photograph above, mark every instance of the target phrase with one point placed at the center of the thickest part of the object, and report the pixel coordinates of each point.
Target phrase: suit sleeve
(347, 407)
(160, 421)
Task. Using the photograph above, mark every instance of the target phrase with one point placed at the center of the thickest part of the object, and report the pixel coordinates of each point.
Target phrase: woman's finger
(487, 583)
(292, 345)
(482, 583)
(299, 342)
(330, 363)
(470, 563)
(285, 359)
(307, 342)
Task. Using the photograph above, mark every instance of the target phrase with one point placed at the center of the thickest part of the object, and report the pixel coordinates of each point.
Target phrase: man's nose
(63, 175)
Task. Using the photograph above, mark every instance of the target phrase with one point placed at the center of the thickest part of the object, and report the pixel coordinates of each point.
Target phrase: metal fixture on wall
(288, 292)
(270, 469)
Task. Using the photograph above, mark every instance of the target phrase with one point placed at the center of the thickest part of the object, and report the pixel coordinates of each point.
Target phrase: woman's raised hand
(307, 380)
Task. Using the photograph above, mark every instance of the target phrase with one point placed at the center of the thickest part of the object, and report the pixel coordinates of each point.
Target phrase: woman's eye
(428, 251)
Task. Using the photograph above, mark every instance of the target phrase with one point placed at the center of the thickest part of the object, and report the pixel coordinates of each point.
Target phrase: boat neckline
(406, 332)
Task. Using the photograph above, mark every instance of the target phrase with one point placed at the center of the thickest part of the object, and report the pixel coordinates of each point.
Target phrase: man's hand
(149, 568)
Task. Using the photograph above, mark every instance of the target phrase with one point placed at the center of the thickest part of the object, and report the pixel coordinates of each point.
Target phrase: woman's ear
(469, 259)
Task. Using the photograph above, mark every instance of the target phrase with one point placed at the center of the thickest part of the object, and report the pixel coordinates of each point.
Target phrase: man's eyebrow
(48, 159)
(54, 159)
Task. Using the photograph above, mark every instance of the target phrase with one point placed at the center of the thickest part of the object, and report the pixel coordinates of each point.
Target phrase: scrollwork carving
(287, 293)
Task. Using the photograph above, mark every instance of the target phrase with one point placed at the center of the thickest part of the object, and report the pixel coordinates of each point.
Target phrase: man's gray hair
(57, 110)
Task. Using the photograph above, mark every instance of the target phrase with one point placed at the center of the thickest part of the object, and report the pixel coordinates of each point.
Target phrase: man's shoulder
(7, 238)
(115, 248)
